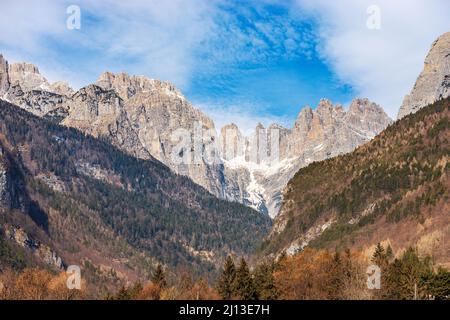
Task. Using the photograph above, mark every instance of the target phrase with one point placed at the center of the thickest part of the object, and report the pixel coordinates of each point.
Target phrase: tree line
(310, 274)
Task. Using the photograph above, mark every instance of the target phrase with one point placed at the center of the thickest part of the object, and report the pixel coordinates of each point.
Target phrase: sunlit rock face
(434, 81)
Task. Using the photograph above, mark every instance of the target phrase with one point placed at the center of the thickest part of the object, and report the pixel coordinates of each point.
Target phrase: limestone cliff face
(4, 189)
(137, 114)
(40, 250)
(62, 88)
(11, 192)
(38, 102)
(231, 142)
(434, 81)
(4, 75)
(158, 113)
(101, 113)
(149, 118)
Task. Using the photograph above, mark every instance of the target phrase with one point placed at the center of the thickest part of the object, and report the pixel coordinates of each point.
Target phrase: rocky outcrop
(128, 86)
(40, 250)
(434, 82)
(62, 88)
(23, 85)
(4, 194)
(38, 102)
(10, 188)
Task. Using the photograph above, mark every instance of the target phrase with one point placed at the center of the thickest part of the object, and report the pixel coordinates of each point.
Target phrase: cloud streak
(379, 64)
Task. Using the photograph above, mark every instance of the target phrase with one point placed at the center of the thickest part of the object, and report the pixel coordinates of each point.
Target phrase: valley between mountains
(98, 177)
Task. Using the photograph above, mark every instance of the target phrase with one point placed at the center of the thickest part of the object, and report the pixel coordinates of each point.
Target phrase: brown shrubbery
(37, 284)
(322, 275)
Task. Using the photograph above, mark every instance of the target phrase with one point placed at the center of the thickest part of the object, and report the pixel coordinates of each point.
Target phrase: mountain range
(141, 116)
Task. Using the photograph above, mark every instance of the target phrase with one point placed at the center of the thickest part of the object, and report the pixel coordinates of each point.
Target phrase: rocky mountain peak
(95, 94)
(27, 76)
(62, 88)
(358, 105)
(324, 105)
(434, 81)
(230, 128)
(363, 107)
(23, 67)
(128, 86)
(259, 126)
(316, 127)
(276, 126)
(121, 82)
(339, 108)
(304, 118)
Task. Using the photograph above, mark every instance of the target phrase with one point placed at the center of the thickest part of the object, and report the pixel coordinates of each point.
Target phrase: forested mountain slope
(394, 189)
(92, 205)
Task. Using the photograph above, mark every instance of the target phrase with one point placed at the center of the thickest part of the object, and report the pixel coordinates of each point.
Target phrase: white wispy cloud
(243, 114)
(156, 38)
(24, 24)
(169, 40)
(380, 64)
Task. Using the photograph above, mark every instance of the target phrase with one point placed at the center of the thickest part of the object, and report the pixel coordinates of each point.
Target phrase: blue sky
(239, 61)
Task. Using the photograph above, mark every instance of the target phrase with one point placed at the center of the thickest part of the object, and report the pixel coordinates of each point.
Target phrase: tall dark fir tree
(226, 280)
(244, 287)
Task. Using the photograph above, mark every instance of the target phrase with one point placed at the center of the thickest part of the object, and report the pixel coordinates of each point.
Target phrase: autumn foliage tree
(321, 275)
(38, 284)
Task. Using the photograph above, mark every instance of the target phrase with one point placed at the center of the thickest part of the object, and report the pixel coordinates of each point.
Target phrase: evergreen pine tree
(226, 280)
(243, 283)
(437, 285)
(389, 253)
(159, 277)
(405, 276)
(123, 294)
(264, 282)
(379, 256)
(380, 259)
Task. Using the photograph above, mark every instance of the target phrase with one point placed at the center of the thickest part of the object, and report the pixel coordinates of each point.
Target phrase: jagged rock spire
(4, 76)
